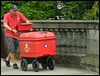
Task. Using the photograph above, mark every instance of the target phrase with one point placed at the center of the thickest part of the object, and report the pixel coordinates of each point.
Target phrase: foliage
(37, 10)
(43, 10)
(80, 10)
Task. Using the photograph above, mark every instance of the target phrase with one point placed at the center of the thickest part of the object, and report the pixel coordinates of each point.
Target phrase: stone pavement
(57, 70)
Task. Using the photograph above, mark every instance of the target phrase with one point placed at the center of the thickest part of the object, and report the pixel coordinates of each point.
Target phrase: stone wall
(77, 42)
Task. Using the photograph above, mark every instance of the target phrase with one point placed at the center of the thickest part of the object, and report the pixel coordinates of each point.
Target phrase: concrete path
(57, 71)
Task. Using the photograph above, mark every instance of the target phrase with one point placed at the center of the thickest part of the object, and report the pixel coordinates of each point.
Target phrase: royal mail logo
(14, 6)
(18, 18)
(26, 48)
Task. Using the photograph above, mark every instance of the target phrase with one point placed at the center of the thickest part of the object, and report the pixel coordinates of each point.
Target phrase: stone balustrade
(77, 42)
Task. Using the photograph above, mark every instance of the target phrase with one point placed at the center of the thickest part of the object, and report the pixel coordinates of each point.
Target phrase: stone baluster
(74, 43)
(63, 38)
(82, 42)
(79, 43)
(85, 42)
(69, 43)
(66, 35)
(41, 29)
(58, 42)
(56, 35)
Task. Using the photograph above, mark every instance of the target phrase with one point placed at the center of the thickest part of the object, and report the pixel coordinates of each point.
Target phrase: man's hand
(31, 29)
(15, 31)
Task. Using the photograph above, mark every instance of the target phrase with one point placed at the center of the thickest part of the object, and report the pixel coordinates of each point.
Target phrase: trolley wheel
(35, 66)
(51, 64)
(44, 65)
(24, 64)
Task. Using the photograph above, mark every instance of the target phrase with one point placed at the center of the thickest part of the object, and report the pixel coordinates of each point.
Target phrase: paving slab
(58, 70)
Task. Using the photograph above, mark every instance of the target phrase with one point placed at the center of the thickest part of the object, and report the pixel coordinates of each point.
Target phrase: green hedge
(43, 10)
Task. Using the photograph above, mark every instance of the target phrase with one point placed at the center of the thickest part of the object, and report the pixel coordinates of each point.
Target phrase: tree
(81, 10)
(43, 10)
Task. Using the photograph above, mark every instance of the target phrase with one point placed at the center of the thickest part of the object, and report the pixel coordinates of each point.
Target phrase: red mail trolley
(37, 47)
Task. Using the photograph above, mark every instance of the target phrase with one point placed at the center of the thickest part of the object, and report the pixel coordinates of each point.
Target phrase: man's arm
(27, 21)
(7, 27)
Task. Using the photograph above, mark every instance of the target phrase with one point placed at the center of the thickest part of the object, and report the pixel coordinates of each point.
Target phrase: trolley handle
(13, 35)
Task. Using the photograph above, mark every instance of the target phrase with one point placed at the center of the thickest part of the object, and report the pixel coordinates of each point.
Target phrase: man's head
(13, 9)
